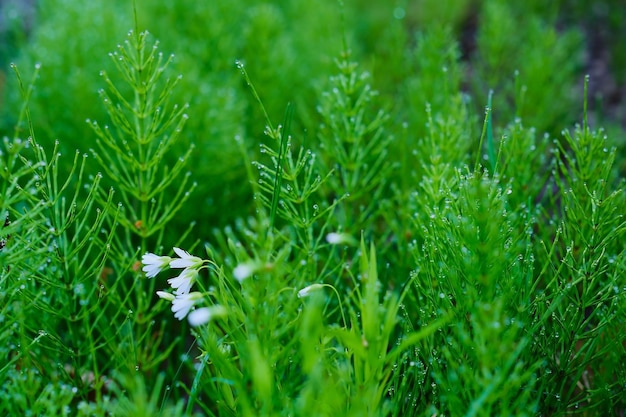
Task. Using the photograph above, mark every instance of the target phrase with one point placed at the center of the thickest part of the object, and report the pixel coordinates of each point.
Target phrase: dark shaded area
(603, 25)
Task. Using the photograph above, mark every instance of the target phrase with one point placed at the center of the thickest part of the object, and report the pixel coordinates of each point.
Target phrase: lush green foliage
(386, 209)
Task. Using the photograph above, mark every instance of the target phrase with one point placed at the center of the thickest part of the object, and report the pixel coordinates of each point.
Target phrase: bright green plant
(585, 263)
(132, 152)
(144, 128)
(388, 249)
(353, 143)
(258, 306)
(54, 260)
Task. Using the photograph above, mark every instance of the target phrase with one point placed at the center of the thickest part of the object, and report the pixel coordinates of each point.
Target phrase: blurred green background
(532, 54)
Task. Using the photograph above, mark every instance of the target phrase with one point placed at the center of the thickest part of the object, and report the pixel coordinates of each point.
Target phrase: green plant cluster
(309, 209)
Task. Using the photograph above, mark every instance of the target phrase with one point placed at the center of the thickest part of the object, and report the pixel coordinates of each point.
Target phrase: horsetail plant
(144, 128)
(134, 155)
(57, 255)
(392, 248)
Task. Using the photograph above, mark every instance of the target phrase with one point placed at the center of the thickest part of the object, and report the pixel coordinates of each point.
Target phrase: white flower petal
(181, 253)
(183, 283)
(186, 260)
(199, 316)
(333, 238)
(151, 270)
(306, 291)
(181, 263)
(340, 238)
(183, 303)
(149, 258)
(243, 271)
(166, 295)
(205, 314)
(153, 264)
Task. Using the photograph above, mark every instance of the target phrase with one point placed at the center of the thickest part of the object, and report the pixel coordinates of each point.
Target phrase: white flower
(153, 264)
(183, 283)
(205, 314)
(243, 271)
(183, 303)
(306, 291)
(246, 269)
(339, 238)
(166, 295)
(186, 260)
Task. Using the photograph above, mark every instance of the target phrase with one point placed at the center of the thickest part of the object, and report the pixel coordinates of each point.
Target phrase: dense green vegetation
(309, 208)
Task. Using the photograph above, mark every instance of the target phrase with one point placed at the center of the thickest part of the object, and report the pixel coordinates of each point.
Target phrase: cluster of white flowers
(183, 299)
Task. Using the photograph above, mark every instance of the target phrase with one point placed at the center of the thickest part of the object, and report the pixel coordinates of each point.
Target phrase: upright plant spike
(144, 128)
(291, 178)
(585, 99)
(135, 20)
(26, 93)
(486, 135)
(490, 145)
(284, 139)
(272, 132)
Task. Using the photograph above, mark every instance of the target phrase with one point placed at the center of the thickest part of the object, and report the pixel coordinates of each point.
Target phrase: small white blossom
(246, 269)
(205, 314)
(186, 260)
(153, 264)
(243, 271)
(181, 305)
(166, 295)
(306, 291)
(183, 283)
(339, 238)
